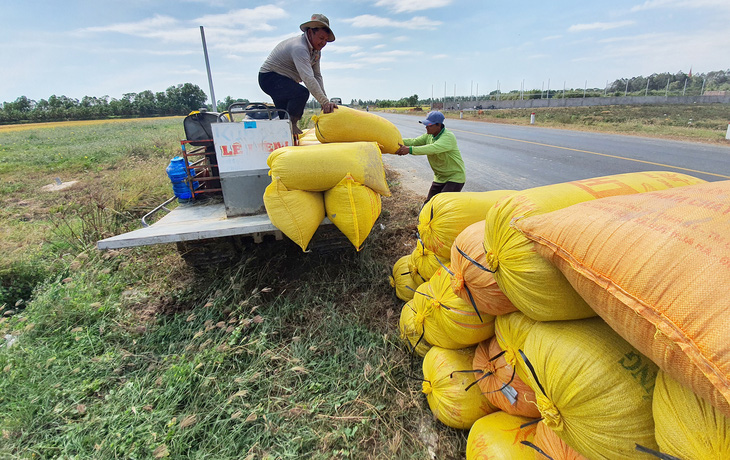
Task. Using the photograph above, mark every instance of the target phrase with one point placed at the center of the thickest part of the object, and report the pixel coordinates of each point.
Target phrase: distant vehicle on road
(336, 100)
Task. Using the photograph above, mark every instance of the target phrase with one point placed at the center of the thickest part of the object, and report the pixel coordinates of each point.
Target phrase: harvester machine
(226, 174)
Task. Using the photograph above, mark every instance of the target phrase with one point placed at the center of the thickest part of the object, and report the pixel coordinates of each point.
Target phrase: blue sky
(385, 49)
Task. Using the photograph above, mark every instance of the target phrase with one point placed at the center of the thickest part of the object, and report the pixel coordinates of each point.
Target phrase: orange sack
(472, 281)
(553, 446)
(534, 286)
(656, 267)
(500, 383)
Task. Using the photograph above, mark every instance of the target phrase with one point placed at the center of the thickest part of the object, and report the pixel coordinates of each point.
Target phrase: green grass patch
(114, 172)
(129, 354)
(286, 358)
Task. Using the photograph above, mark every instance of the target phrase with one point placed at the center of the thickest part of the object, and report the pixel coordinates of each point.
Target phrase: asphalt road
(518, 157)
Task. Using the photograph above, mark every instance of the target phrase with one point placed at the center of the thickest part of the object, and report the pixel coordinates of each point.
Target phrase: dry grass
(67, 124)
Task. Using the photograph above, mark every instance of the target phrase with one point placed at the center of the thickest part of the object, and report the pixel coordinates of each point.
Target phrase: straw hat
(319, 21)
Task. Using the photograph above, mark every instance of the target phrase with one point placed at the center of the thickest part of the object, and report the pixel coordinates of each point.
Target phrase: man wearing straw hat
(296, 60)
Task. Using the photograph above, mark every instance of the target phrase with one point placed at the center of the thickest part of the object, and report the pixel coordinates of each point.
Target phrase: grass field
(130, 354)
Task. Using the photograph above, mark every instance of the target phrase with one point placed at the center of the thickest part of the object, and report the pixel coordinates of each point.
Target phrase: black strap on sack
(532, 371)
(655, 453)
(537, 449)
(497, 356)
(474, 262)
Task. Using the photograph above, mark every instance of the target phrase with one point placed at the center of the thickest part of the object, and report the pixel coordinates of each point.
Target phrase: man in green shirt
(443, 155)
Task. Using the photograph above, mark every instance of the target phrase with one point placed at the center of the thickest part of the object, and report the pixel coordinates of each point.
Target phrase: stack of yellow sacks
(341, 177)
(650, 374)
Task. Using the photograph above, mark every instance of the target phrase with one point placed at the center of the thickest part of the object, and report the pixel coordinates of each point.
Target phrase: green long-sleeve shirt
(443, 155)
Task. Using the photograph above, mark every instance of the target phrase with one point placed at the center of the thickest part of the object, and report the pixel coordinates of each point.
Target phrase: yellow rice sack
(401, 279)
(448, 321)
(412, 332)
(511, 331)
(535, 286)
(308, 137)
(424, 263)
(317, 168)
(445, 216)
(688, 427)
(499, 436)
(656, 267)
(349, 125)
(554, 447)
(446, 388)
(593, 389)
(472, 280)
(297, 213)
(353, 208)
(500, 383)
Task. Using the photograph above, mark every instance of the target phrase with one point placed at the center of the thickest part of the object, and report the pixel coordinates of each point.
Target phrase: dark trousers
(437, 187)
(286, 93)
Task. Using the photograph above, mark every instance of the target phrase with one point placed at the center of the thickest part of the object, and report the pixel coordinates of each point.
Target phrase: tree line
(176, 100)
(657, 84)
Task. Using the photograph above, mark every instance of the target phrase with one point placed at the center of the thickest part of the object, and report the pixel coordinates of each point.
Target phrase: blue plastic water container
(177, 174)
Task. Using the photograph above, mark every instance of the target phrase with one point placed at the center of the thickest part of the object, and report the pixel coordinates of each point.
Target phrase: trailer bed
(193, 222)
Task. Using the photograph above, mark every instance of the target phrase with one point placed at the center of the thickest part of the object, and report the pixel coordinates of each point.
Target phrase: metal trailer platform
(193, 222)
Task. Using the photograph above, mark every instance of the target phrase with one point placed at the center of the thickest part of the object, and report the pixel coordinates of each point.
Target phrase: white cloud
(253, 45)
(394, 53)
(255, 19)
(369, 57)
(664, 51)
(599, 26)
(654, 4)
(342, 49)
(144, 28)
(407, 6)
(328, 65)
(361, 37)
(371, 21)
(166, 28)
